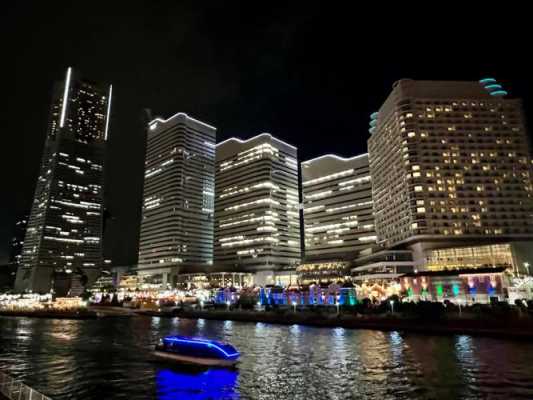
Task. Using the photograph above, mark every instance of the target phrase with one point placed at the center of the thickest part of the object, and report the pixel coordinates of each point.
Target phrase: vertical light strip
(65, 98)
(108, 110)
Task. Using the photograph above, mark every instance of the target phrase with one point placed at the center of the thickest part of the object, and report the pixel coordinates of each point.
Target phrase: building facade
(257, 207)
(64, 235)
(450, 168)
(338, 220)
(337, 200)
(178, 204)
(461, 286)
(17, 242)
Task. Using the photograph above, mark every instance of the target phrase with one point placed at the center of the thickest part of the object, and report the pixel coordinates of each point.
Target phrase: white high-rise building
(178, 203)
(257, 225)
(338, 219)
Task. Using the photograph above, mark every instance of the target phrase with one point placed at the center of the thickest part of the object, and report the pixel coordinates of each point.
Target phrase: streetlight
(392, 306)
(202, 305)
(526, 264)
(293, 306)
(227, 304)
(337, 300)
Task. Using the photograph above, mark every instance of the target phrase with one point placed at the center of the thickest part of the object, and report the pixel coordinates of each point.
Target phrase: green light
(439, 290)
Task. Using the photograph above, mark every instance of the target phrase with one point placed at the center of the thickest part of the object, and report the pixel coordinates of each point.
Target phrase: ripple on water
(112, 359)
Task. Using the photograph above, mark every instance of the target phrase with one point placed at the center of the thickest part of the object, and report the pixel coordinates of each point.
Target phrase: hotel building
(451, 177)
(63, 239)
(177, 213)
(338, 220)
(257, 208)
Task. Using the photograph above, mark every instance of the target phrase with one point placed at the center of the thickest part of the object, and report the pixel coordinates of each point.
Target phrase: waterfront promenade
(510, 323)
(429, 318)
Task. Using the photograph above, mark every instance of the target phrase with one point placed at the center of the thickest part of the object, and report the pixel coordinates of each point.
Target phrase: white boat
(197, 351)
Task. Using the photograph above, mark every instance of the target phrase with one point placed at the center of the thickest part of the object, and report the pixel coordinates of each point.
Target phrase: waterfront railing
(15, 389)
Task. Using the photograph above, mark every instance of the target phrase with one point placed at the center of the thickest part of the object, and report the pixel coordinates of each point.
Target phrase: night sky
(309, 73)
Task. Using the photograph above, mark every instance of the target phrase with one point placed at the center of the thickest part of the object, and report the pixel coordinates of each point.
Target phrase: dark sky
(307, 72)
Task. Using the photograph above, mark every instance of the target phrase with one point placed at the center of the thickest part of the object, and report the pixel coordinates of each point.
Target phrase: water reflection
(113, 359)
(396, 348)
(196, 384)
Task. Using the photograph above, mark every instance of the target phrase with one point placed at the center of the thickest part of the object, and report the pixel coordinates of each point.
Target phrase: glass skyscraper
(63, 239)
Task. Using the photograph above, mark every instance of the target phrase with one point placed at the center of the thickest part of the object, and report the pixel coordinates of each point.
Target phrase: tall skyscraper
(64, 234)
(177, 214)
(338, 220)
(257, 207)
(451, 174)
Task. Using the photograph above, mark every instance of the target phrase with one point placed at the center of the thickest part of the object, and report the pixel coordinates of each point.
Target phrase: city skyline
(284, 200)
(348, 100)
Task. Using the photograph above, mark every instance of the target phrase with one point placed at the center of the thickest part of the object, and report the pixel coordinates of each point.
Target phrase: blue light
(373, 123)
(374, 115)
(455, 289)
(197, 384)
(206, 343)
(499, 93)
(487, 80)
(493, 86)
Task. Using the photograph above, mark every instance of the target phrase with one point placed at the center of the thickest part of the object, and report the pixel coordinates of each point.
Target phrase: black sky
(307, 72)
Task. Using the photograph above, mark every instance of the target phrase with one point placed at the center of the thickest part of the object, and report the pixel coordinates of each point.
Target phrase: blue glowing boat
(197, 351)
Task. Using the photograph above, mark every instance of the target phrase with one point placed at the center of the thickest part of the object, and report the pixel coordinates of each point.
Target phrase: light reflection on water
(186, 383)
(112, 359)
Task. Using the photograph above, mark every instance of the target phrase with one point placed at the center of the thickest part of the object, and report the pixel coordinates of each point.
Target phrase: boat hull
(209, 362)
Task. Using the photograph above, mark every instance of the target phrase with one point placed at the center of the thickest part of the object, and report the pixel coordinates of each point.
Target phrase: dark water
(111, 359)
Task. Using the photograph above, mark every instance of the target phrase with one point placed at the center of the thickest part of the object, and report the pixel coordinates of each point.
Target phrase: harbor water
(112, 359)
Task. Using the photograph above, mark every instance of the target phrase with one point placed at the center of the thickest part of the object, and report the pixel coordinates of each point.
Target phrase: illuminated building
(378, 265)
(338, 220)
(460, 286)
(450, 168)
(216, 279)
(257, 225)
(64, 234)
(17, 242)
(177, 212)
